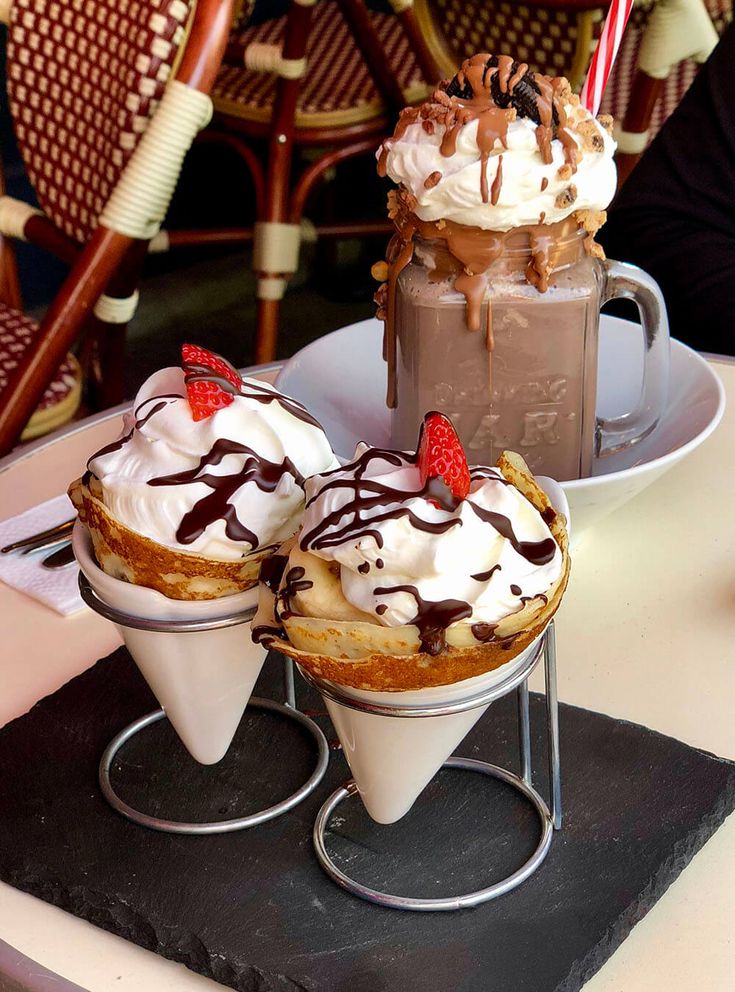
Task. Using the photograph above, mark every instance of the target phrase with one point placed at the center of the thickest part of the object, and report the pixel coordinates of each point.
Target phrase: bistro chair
(106, 97)
(326, 79)
(663, 43)
(663, 46)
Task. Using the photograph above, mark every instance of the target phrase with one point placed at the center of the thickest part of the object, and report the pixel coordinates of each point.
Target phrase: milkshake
(493, 282)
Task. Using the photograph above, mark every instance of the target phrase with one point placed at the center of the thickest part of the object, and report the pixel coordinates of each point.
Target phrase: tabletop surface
(645, 634)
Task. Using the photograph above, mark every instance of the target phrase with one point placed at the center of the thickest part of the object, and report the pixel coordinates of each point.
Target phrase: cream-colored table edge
(646, 633)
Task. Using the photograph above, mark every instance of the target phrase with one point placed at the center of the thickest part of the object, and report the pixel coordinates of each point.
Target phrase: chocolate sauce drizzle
(432, 619)
(263, 633)
(535, 552)
(485, 634)
(196, 372)
(486, 576)
(255, 468)
(271, 573)
(216, 505)
(293, 583)
(347, 523)
(160, 402)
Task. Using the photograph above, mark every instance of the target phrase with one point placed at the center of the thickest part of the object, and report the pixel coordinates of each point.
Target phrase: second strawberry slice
(211, 382)
(441, 455)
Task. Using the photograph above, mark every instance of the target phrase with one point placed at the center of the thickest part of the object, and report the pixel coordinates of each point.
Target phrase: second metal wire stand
(549, 816)
(287, 709)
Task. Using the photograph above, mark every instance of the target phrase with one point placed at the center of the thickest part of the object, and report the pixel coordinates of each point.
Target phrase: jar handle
(624, 281)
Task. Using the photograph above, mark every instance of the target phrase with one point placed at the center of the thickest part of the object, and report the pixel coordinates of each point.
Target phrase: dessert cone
(202, 680)
(393, 758)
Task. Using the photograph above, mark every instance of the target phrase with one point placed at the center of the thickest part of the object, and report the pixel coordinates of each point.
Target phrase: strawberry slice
(211, 382)
(441, 455)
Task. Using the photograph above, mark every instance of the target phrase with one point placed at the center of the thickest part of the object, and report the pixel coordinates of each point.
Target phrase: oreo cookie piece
(524, 98)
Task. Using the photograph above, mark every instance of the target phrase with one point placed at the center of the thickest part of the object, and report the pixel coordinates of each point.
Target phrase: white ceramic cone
(203, 680)
(393, 759)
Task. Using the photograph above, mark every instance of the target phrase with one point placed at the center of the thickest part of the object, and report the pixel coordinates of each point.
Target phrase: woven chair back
(618, 93)
(550, 37)
(84, 77)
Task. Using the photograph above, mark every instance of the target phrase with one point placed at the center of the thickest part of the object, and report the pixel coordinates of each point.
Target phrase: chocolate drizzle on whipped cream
(432, 619)
(195, 372)
(536, 552)
(251, 467)
(384, 502)
(159, 403)
(345, 522)
(348, 523)
(216, 504)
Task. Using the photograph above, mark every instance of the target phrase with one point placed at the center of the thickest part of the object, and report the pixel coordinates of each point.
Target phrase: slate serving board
(254, 910)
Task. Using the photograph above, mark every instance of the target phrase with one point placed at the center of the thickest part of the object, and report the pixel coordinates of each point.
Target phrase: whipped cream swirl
(414, 554)
(531, 191)
(222, 487)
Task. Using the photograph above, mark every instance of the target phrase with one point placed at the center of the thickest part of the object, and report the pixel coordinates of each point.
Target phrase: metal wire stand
(550, 819)
(287, 709)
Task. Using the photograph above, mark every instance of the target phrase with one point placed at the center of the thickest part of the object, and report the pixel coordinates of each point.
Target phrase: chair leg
(275, 259)
(106, 332)
(60, 325)
(267, 337)
(106, 362)
(9, 282)
(633, 136)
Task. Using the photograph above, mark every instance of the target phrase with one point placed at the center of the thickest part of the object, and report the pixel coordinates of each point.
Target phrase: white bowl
(341, 378)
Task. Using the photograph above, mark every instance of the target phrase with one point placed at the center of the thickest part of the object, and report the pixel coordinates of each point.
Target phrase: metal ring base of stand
(216, 826)
(466, 901)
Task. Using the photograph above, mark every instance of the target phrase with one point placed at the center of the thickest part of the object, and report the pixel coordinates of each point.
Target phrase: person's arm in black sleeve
(675, 216)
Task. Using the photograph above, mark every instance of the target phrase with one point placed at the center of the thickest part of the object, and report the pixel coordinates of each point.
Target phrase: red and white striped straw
(604, 56)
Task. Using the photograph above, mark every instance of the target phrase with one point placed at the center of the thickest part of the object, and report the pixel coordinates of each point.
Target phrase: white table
(645, 633)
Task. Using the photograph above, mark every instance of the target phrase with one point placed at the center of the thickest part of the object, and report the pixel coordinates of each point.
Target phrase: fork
(44, 539)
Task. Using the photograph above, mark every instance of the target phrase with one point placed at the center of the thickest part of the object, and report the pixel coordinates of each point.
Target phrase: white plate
(341, 378)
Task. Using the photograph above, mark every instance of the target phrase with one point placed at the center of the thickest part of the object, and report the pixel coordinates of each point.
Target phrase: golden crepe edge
(336, 649)
(131, 557)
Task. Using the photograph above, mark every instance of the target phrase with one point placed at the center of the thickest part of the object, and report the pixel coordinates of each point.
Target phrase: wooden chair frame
(279, 204)
(111, 261)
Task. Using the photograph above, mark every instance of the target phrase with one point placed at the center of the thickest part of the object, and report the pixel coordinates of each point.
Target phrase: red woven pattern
(84, 77)
(16, 337)
(617, 94)
(544, 38)
(337, 78)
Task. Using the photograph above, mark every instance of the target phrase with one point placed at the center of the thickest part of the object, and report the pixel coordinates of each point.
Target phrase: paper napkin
(56, 588)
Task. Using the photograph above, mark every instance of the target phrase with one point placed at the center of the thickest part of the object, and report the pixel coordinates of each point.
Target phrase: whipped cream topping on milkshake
(499, 147)
(512, 185)
(224, 486)
(406, 549)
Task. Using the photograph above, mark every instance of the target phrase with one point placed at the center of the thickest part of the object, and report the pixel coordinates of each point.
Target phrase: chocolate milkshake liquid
(525, 379)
